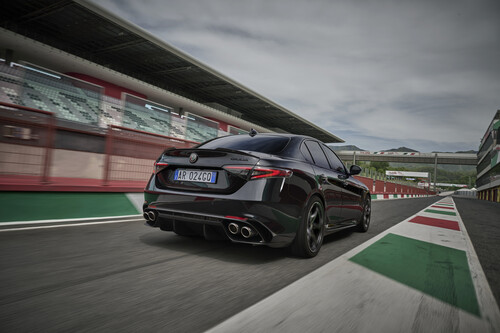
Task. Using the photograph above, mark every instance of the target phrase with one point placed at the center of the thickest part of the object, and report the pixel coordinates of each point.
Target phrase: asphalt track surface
(482, 220)
(128, 277)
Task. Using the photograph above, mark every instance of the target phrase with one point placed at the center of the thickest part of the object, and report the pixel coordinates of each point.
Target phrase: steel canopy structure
(90, 32)
(428, 158)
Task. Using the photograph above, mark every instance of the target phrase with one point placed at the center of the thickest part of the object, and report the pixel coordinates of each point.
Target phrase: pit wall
(383, 189)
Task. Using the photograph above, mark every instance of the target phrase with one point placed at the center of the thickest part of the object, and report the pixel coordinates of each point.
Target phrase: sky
(379, 74)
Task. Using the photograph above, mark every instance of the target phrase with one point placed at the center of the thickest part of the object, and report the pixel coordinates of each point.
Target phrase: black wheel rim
(367, 214)
(315, 227)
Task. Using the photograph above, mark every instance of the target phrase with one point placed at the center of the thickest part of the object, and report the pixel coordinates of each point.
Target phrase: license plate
(196, 176)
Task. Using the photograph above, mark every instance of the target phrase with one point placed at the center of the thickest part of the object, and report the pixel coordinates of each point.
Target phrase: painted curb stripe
(440, 223)
(443, 207)
(439, 271)
(363, 300)
(440, 212)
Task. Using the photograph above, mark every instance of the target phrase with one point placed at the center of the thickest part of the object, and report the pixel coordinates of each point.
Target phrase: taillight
(159, 166)
(263, 172)
(257, 172)
(238, 170)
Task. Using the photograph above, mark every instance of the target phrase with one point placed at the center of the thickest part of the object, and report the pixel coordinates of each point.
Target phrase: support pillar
(435, 170)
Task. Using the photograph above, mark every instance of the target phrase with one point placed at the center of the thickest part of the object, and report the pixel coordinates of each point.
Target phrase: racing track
(128, 277)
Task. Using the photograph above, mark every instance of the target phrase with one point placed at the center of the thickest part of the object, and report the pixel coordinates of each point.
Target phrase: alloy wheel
(314, 232)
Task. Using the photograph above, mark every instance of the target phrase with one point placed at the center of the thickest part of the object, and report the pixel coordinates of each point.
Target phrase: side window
(306, 153)
(317, 154)
(335, 162)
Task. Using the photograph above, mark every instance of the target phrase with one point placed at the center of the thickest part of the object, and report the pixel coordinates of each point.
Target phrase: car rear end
(221, 192)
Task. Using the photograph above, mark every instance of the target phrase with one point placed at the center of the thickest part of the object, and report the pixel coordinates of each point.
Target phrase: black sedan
(272, 189)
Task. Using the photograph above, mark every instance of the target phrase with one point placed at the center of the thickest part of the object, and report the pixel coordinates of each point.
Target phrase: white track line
(69, 220)
(69, 225)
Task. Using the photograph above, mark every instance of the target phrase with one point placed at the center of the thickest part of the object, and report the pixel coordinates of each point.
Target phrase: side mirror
(354, 170)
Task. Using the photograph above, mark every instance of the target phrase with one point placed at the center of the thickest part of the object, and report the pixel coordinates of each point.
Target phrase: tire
(309, 238)
(364, 223)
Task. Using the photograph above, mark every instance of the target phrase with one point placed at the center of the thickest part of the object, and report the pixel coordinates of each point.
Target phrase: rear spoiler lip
(194, 150)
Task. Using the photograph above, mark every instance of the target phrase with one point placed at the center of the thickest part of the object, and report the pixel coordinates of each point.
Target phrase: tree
(380, 166)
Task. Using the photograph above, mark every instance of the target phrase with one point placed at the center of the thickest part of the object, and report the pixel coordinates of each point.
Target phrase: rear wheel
(364, 224)
(309, 237)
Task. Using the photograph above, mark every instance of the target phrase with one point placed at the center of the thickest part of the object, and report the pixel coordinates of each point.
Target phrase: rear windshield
(262, 144)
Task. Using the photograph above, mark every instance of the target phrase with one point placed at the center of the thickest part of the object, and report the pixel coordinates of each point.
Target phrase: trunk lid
(204, 170)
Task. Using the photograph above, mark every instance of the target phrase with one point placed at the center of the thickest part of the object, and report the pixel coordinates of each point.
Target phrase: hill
(402, 150)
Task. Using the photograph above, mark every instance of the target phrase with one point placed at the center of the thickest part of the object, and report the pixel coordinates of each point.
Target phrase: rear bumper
(275, 223)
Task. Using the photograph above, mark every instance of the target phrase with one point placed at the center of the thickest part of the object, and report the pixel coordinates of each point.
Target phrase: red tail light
(159, 166)
(262, 172)
(257, 172)
(236, 218)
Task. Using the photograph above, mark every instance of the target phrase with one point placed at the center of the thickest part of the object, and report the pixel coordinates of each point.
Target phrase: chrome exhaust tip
(233, 228)
(152, 215)
(247, 232)
(146, 216)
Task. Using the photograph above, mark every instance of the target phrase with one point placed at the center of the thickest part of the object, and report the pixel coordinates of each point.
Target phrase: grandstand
(88, 101)
(101, 70)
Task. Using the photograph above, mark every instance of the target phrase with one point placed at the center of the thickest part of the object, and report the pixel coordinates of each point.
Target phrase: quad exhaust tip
(151, 215)
(247, 232)
(233, 228)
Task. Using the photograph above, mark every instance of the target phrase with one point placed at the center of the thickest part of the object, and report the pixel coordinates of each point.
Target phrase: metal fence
(27, 149)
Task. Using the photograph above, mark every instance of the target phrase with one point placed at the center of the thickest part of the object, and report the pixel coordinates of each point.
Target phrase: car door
(352, 208)
(330, 184)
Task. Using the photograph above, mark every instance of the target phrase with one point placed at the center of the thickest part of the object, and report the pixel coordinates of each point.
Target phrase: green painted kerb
(435, 270)
(440, 212)
(374, 196)
(31, 206)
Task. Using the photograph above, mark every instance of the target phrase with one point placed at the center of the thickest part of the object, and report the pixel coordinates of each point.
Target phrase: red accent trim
(386, 196)
(440, 223)
(236, 218)
(152, 134)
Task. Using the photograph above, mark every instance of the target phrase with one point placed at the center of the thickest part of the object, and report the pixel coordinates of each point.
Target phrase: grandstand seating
(111, 111)
(31, 90)
(199, 129)
(139, 117)
(77, 101)
(178, 128)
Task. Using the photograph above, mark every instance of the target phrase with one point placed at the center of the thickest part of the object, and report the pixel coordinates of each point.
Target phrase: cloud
(418, 73)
